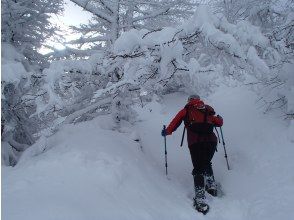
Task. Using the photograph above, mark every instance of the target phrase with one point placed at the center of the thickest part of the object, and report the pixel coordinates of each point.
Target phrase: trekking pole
(165, 152)
(226, 156)
(183, 136)
(217, 138)
(217, 134)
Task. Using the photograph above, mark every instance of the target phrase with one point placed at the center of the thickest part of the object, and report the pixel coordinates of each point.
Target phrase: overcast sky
(73, 15)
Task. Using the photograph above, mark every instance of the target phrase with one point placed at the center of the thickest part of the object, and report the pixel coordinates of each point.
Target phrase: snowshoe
(201, 207)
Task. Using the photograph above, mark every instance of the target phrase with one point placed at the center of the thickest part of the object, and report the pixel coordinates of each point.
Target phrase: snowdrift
(88, 171)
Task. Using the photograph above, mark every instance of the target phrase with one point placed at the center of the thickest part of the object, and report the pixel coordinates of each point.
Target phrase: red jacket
(191, 136)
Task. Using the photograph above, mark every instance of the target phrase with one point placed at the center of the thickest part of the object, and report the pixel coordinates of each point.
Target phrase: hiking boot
(199, 195)
(210, 186)
(201, 206)
(199, 201)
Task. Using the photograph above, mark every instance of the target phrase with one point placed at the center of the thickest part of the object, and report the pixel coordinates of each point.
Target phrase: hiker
(199, 120)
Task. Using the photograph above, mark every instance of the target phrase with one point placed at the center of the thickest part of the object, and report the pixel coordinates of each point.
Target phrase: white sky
(73, 15)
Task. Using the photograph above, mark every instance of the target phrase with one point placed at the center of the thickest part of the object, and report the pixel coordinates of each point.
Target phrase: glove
(163, 132)
(221, 120)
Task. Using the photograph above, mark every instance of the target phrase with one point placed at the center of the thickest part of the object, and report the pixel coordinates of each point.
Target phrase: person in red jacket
(199, 120)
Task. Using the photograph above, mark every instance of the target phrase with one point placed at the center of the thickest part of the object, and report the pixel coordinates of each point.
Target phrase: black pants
(201, 155)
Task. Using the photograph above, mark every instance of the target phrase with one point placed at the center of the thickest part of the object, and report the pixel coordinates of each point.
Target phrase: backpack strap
(186, 118)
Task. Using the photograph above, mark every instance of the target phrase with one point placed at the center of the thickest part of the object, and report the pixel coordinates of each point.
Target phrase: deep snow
(92, 171)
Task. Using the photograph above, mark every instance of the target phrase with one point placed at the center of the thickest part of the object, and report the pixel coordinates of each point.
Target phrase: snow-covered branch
(89, 6)
(111, 18)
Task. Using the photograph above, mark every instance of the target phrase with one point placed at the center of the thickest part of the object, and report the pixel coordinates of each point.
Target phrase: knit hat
(194, 96)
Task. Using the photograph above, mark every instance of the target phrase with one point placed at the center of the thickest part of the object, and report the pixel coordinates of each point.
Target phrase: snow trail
(91, 171)
(260, 183)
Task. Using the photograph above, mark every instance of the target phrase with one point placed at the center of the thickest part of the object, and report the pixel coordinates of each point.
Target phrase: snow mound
(87, 171)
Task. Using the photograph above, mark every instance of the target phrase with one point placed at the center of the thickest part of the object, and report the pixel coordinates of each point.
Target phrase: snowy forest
(80, 126)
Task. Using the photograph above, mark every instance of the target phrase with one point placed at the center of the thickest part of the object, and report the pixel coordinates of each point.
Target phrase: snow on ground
(91, 171)
(87, 171)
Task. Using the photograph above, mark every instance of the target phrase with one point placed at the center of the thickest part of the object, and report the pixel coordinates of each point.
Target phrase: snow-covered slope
(260, 184)
(91, 171)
